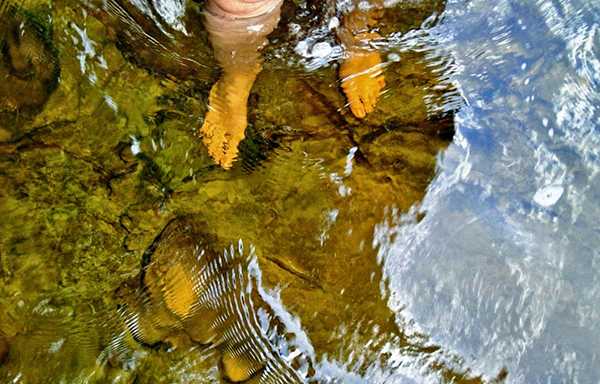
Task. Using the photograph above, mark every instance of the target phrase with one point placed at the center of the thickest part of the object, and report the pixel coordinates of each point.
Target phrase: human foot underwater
(238, 30)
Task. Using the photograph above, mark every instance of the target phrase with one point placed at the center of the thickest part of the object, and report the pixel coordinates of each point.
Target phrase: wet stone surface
(4, 348)
(29, 68)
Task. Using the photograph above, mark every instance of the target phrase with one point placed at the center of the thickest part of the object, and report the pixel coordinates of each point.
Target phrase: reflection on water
(215, 299)
(126, 254)
(504, 265)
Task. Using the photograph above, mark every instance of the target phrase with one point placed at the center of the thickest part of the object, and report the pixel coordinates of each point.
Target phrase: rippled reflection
(217, 299)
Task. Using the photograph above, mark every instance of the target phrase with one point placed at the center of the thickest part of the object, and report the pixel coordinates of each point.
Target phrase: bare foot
(237, 30)
(225, 122)
(362, 80)
(361, 71)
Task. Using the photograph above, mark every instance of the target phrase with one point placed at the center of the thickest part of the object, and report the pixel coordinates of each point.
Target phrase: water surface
(452, 236)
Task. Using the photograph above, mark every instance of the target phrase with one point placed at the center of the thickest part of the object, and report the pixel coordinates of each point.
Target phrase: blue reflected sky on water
(505, 266)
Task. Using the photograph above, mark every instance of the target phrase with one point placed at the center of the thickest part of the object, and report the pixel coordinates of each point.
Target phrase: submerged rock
(4, 347)
(29, 67)
(172, 48)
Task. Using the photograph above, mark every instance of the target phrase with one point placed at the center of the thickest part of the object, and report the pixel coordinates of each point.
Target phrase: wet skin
(238, 30)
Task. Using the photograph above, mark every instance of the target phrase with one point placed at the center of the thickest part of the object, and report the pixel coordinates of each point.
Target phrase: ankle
(242, 9)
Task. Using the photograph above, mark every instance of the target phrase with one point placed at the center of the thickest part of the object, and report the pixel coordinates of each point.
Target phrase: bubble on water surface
(548, 195)
(135, 145)
(322, 49)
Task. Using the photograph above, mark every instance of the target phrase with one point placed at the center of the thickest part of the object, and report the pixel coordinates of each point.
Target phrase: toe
(353, 95)
(368, 101)
(381, 82)
(358, 108)
(375, 96)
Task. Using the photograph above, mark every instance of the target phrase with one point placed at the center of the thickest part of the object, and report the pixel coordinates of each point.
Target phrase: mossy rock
(29, 66)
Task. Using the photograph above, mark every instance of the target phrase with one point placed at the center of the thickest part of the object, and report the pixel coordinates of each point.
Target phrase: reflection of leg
(237, 31)
(167, 298)
(237, 367)
(361, 72)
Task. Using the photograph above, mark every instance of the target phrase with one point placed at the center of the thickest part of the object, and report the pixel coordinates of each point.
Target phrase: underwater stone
(3, 349)
(29, 62)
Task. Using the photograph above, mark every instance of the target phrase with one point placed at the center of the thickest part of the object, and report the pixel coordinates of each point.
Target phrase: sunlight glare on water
(504, 267)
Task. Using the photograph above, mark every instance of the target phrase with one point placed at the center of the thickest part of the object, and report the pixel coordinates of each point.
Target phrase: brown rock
(4, 348)
(28, 62)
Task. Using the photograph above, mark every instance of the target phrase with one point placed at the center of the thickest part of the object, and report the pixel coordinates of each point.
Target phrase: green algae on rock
(29, 66)
(4, 349)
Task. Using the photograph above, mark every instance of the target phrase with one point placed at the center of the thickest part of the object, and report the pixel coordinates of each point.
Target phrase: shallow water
(452, 236)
